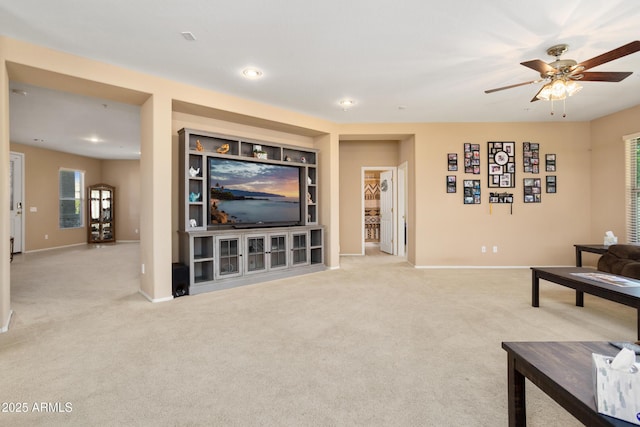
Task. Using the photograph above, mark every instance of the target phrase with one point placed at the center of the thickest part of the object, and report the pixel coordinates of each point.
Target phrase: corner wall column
(155, 199)
(5, 272)
(329, 156)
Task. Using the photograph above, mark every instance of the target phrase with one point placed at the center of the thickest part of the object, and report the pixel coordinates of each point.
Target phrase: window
(71, 200)
(633, 189)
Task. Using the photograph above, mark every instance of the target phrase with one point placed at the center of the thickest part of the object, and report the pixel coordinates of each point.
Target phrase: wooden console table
(596, 249)
(564, 276)
(563, 371)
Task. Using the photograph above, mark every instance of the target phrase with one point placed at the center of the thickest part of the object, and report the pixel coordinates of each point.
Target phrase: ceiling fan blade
(535, 97)
(604, 76)
(512, 86)
(625, 50)
(540, 66)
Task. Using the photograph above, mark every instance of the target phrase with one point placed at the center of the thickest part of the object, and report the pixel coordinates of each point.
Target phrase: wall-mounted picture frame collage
(472, 158)
(501, 164)
(451, 184)
(471, 191)
(531, 157)
(532, 190)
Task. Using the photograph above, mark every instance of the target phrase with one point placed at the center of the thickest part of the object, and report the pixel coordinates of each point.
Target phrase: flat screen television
(246, 193)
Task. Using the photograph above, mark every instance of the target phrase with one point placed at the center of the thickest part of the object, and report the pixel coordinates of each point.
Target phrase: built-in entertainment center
(249, 210)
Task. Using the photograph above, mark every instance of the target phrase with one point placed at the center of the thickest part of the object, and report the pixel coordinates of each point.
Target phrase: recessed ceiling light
(19, 92)
(252, 73)
(188, 35)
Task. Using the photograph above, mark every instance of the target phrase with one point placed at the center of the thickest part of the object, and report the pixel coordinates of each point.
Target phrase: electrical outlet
(142, 269)
(483, 249)
(46, 237)
(495, 249)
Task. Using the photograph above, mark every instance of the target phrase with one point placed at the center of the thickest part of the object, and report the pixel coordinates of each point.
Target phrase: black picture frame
(451, 184)
(452, 162)
(532, 188)
(472, 158)
(471, 193)
(501, 164)
(530, 157)
(551, 184)
(550, 163)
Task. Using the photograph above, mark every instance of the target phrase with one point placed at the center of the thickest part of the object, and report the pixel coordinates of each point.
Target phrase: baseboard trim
(434, 267)
(165, 299)
(54, 247)
(5, 327)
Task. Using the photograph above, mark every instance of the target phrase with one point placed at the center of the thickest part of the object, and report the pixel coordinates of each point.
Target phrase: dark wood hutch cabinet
(101, 213)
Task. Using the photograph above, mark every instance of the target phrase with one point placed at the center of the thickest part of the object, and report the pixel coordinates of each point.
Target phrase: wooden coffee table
(563, 371)
(565, 276)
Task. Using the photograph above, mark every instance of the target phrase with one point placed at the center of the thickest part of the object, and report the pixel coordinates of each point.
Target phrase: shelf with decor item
(101, 224)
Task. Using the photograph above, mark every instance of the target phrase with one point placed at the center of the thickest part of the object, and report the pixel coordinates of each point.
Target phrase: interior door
(16, 164)
(386, 212)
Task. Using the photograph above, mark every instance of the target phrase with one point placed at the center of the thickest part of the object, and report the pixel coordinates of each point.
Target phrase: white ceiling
(400, 61)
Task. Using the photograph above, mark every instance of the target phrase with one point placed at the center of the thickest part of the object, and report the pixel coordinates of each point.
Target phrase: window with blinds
(71, 198)
(633, 190)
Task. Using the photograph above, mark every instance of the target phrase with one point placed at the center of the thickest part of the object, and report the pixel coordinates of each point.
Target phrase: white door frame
(19, 239)
(401, 195)
(394, 188)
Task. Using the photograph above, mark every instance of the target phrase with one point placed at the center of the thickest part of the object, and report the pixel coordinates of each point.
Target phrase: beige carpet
(375, 343)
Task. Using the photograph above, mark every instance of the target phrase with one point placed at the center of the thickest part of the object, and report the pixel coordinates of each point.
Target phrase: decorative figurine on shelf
(193, 172)
(193, 222)
(223, 149)
(309, 199)
(194, 197)
(309, 180)
(303, 159)
(287, 158)
(199, 146)
(258, 152)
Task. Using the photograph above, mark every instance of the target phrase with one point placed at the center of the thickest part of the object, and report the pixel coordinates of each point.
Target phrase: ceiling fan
(561, 75)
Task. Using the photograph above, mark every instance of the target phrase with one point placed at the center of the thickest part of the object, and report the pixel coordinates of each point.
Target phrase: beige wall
(354, 155)
(125, 176)
(41, 192)
(449, 233)
(608, 172)
(41, 167)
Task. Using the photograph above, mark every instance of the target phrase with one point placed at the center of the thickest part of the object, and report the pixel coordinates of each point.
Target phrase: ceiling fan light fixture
(558, 89)
(545, 93)
(572, 87)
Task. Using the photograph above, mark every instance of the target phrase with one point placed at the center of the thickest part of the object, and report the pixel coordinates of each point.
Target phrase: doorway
(378, 210)
(16, 196)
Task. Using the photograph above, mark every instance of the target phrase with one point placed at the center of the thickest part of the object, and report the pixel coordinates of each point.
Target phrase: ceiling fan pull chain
(551, 106)
(564, 103)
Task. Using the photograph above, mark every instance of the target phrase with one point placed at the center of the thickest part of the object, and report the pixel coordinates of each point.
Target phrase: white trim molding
(5, 327)
(165, 299)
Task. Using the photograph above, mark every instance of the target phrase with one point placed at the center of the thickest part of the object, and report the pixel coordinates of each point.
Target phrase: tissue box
(610, 240)
(617, 392)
